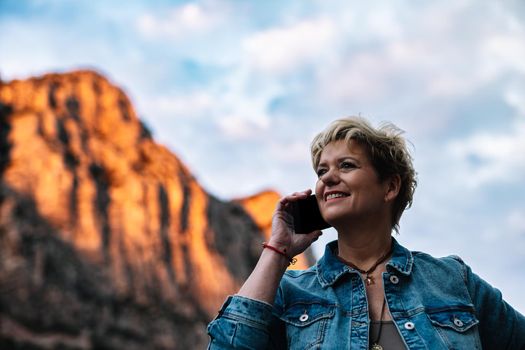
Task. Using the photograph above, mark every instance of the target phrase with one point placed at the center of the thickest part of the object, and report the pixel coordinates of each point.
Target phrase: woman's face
(348, 187)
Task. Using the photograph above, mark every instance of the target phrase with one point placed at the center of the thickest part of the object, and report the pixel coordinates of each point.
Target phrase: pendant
(376, 346)
(369, 280)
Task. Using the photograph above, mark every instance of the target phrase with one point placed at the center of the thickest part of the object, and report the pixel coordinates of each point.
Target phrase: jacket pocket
(306, 323)
(457, 327)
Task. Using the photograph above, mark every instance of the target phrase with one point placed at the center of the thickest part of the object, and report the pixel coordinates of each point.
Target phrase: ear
(392, 187)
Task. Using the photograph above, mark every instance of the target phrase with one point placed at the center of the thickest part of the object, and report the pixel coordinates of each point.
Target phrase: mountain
(107, 240)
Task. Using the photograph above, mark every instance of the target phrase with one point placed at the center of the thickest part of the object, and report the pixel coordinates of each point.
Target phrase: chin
(333, 218)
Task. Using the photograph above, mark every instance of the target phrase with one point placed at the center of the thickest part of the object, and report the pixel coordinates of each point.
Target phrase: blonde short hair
(386, 149)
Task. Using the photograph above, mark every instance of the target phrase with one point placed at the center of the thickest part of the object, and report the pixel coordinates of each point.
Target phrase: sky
(237, 89)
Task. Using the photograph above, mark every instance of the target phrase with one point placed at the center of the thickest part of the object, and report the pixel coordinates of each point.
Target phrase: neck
(365, 244)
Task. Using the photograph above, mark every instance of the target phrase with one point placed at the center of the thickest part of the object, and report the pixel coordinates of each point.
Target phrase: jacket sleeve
(244, 323)
(500, 326)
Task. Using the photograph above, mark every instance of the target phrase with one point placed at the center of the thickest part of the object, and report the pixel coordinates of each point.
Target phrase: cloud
(191, 105)
(384, 23)
(491, 158)
(514, 95)
(516, 222)
(241, 127)
(236, 115)
(283, 49)
(180, 22)
(364, 76)
(504, 52)
(392, 52)
(291, 152)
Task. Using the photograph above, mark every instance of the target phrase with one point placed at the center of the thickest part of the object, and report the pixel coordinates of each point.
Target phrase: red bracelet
(283, 253)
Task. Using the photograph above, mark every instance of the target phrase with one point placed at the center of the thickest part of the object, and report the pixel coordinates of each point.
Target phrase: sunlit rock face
(106, 239)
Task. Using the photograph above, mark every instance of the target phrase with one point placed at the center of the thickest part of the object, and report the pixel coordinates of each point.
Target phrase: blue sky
(237, 89)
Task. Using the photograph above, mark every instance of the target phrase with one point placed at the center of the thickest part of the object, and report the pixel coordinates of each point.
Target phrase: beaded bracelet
(292, 261)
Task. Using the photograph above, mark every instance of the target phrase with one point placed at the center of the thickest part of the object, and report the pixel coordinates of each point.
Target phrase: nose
(331, 177)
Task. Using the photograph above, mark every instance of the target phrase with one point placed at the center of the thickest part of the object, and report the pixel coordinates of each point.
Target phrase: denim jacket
(435, 304)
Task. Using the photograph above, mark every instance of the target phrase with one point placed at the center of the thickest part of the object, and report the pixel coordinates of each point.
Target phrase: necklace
(369, 279)
(375, 344)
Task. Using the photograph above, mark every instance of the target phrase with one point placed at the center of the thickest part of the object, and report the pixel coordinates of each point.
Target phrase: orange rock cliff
(106, 238)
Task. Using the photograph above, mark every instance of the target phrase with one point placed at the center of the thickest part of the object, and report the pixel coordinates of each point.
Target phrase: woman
(367, 291)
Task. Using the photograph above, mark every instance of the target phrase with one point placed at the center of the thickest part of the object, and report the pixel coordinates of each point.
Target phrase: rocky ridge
(106, 239)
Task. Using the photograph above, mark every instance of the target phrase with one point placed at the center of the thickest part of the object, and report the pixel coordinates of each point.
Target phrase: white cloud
(418, 48)
(293, 152)
(516, 222)
(185, 106)
(282, 49)
(384, 23)
(364, 77)
(504, 52)
(489, 157)
(186, 20)
(242, 127)
(515, 97)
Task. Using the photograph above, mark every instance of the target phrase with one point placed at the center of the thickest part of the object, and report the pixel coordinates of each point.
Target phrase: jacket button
(458, 322)
(303, 318)
(394, 279)
(409, 325)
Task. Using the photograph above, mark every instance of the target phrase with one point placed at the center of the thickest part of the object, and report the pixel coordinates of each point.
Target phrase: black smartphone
(306, 215)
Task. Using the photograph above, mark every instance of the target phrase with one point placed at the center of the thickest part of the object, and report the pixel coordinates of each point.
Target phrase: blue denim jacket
(435, 304)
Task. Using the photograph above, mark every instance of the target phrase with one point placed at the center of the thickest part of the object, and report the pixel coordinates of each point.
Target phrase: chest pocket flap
(302, 314)
(458, 320)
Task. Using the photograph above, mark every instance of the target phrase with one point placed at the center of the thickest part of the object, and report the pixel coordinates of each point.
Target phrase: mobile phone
(306, 215)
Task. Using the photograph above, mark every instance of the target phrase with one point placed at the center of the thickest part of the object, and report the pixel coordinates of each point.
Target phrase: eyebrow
(339, 160)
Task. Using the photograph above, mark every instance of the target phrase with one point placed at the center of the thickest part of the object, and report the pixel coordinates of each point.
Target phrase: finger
(283, 202)
(306, 192)
(298, 195)
(314, 235)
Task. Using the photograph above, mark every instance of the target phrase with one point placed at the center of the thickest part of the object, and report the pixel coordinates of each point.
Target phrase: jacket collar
(330, 268)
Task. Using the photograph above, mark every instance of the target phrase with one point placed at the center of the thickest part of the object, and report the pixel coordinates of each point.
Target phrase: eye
(320, 172)
(347, 165)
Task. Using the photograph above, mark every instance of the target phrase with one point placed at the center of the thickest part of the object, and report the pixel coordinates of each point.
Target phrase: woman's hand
(263, 281)
(283, 235)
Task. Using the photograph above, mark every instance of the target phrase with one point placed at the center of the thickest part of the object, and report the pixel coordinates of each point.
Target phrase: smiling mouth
(336, 195)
